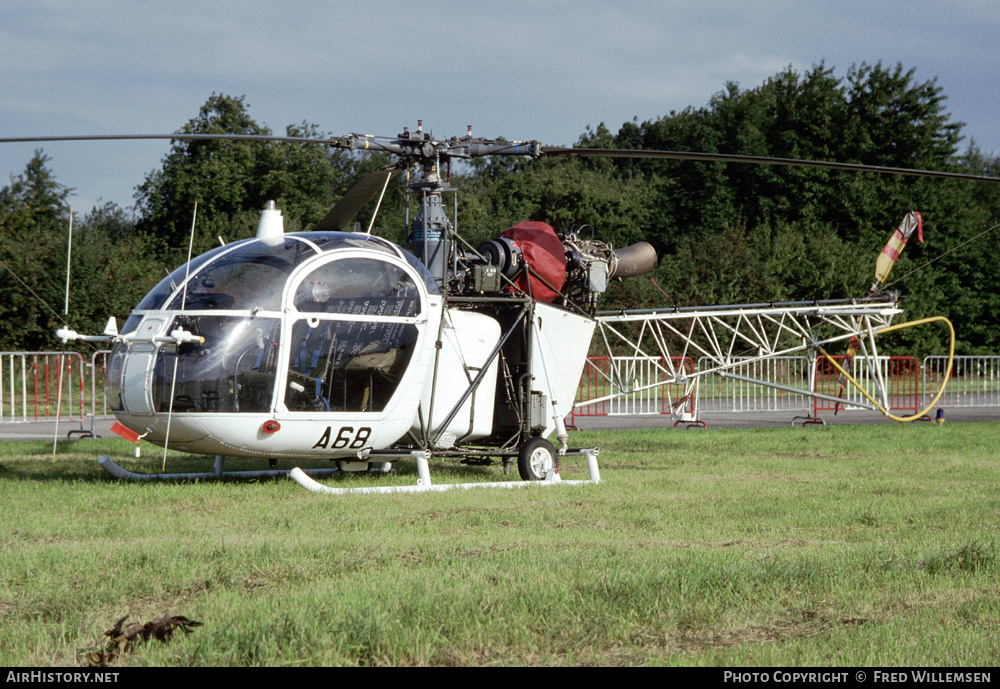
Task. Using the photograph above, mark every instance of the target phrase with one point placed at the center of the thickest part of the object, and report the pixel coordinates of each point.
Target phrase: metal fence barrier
(899, 376)
(643, 375)
(30, 385)
(724, 393)
(98, 367)
(37, 386)
(974, 381)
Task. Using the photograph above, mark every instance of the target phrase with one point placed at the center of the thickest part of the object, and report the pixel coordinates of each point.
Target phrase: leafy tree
(113, 268)
(563, 192)
(33, 221)
(731, 232)
(233, 179)
(111, 265)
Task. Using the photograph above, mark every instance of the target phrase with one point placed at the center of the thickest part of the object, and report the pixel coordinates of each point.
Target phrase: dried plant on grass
(122, 639)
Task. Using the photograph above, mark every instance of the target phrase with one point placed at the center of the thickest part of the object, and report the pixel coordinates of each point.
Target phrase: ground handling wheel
(536, 458)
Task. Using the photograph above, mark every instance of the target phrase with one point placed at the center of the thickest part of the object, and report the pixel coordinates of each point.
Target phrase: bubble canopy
(254, 273)
(321, 322)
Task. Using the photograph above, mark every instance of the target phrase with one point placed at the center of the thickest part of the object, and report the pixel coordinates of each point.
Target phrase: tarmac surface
(775, 418)
(101, 425)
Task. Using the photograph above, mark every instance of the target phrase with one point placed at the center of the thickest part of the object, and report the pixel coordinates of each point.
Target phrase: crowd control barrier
(897, 380)
(604, 376)
(897, 376)
(974, 381)
(725, 393)
(38, 386)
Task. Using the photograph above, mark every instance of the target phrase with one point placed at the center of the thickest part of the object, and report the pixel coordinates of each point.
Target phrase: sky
(541, 69)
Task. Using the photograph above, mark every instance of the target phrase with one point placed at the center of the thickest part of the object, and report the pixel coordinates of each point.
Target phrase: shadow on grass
(76, 461)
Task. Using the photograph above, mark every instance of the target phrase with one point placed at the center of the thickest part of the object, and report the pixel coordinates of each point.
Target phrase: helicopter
(336, 344)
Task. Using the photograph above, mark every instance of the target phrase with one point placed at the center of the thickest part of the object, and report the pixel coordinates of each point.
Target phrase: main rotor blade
(338, 142)
(358, 142)
(341, 215)
(754, 160)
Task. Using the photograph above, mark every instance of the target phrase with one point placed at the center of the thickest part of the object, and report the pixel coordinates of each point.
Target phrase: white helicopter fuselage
(331, 345)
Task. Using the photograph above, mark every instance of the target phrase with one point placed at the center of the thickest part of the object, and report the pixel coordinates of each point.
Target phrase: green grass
(840, 545)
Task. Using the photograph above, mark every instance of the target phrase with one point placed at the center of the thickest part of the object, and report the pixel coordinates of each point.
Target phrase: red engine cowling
(543, 251)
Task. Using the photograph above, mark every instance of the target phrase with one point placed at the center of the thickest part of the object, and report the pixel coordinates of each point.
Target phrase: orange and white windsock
(894, 247)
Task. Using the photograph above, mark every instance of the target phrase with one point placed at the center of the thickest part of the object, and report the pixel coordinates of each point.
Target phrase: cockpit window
(346, 365)
(247, 278)
(156, 298)
(359, 286)
(354, 364)
(233, 370)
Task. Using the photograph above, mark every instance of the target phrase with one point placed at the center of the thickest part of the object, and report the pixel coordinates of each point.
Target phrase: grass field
(839, 545)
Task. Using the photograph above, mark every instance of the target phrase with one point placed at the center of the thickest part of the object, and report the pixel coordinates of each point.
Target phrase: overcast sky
(540, 70)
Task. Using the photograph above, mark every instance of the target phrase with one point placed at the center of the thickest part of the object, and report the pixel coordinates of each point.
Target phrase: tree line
(725, 233)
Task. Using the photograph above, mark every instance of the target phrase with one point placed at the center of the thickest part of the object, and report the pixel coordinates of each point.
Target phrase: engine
(532, 257)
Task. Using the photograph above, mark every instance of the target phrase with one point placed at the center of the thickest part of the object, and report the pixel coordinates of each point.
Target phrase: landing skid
(303, 477)
(217, 473)
(424, 484)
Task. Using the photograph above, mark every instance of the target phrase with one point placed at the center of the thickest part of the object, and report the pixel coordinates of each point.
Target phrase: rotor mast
(432, 232)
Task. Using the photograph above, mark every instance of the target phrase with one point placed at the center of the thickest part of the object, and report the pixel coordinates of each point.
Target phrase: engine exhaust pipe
(638, 259)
